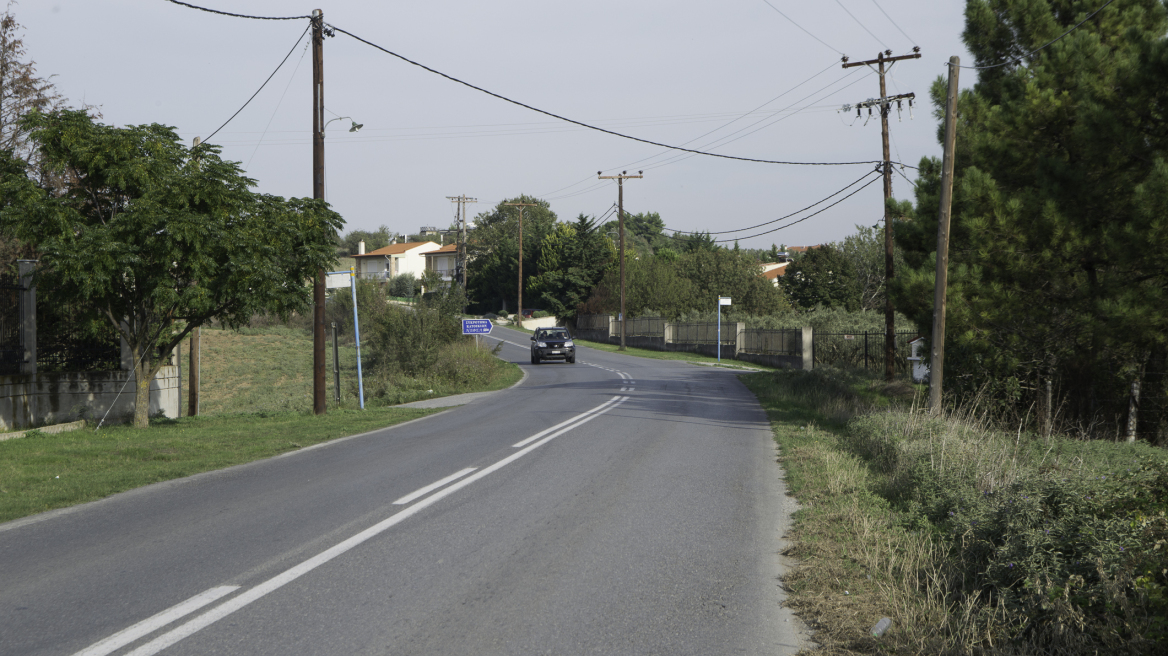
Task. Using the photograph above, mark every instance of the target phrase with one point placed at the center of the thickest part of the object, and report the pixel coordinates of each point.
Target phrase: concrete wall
(28, 400)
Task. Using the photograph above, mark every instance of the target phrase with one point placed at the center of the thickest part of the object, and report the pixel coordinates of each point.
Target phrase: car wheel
(572, 360)
(535, 359)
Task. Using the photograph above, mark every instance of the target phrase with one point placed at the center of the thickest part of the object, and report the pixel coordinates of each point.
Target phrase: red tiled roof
(396, 249)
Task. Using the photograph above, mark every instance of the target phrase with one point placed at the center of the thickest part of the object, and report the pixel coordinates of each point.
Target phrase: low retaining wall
(28, 400)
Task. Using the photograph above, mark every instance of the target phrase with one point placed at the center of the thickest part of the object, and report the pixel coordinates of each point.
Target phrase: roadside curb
(51, 430)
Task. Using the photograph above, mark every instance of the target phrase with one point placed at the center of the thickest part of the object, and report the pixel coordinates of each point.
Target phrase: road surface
(614, 506)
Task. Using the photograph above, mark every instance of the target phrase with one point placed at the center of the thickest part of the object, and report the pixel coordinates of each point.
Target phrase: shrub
(1070, 539)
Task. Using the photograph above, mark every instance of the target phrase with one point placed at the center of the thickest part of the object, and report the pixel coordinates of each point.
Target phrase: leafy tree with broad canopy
(158, 238)
(493, 252)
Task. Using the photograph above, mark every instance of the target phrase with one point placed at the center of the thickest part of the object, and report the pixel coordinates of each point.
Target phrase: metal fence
(67, 343)
(860, 350)
(11, 344)
(773, 342)
(644, 327)
(704, 333)
(593, 321)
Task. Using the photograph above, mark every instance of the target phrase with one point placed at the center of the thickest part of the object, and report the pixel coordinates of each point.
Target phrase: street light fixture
(355, 126)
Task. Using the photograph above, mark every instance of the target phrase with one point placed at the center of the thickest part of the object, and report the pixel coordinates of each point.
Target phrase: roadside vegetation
(971, 537)
(42, 472)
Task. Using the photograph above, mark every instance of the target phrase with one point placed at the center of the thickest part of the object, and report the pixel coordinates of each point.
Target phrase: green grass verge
(971, 539)
(43, 472)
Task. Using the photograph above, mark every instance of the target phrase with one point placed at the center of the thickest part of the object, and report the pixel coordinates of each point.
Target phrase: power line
(911, 40)
(280, 102)
(860, 24)
(781, 218)
(586, 125)
(298, 39)
(801, 27)
(227, 13)
(719, 241)
(1018, 60)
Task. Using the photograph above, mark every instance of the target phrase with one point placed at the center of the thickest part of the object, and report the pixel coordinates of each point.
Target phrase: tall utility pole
(318, 285)
(519, 311)
(937, 359)
(462, 201)
(620, 204)
(884, 103)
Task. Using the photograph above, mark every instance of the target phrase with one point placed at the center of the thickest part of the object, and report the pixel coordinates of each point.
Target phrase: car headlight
(541, 344)
(568, 344)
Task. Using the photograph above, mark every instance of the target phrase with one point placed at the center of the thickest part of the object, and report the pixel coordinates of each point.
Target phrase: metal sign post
(336, 279)
(722, 300)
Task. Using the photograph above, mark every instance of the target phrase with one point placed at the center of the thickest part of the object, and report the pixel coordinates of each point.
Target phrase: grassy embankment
(256, 403)
(972, 540)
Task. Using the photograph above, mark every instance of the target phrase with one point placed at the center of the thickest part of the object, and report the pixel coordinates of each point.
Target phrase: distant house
(772, 271)
(394, 260)
(444, 261)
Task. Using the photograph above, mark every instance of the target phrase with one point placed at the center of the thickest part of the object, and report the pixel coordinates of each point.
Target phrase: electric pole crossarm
(885, 60)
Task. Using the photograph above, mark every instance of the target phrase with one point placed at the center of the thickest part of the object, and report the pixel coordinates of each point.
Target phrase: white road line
(578, 418)
(280, 580)
(433, 486)
(147, 626)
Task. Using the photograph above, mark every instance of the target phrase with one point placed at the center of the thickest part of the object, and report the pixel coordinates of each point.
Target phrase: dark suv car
(552, 344)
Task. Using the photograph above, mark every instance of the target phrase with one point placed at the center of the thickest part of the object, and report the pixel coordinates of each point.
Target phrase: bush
(1068, 538)
(403, 285)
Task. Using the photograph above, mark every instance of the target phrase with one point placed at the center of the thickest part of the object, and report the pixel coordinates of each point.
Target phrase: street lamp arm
(356, 127)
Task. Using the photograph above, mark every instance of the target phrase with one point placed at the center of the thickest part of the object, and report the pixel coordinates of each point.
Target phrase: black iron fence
(67, 342)
(11, 344)
(862, 349)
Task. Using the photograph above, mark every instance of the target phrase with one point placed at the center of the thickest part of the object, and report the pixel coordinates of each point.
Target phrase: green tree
(732, 273)
(572, 260)
(865, 250)
(493, 251)
(158, 239)
(348, 245)
(822, 276)
(1059, 245)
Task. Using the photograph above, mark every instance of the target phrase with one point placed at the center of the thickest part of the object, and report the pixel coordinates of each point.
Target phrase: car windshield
(555, 334)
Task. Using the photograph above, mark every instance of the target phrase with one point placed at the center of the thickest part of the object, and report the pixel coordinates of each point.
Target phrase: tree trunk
(142, 375)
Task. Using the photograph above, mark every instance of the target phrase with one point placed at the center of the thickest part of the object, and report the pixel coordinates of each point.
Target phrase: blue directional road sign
(476, 326)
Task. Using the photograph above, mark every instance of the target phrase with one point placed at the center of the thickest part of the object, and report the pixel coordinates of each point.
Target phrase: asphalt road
(615, 506)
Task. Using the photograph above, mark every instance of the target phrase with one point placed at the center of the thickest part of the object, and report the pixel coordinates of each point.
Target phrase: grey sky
(666, 71)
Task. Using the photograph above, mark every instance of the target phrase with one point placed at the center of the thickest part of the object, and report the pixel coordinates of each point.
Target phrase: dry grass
(865, 553)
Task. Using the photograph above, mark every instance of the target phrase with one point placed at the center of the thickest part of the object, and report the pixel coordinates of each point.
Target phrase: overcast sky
(666, 71)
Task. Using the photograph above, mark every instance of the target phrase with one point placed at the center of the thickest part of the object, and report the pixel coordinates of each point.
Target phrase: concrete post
(668, 333)
(28, 327)
(808, 348)
(739, 338)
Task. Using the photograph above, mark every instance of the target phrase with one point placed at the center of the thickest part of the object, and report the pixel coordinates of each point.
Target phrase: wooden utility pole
(318, 285)
(519, 312)
(195, 356)
(620, 205)
(937, 356)
(462, 201)
(884, 104)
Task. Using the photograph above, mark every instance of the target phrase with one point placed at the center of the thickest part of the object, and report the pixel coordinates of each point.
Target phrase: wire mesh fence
(645, 327)
(704, 333)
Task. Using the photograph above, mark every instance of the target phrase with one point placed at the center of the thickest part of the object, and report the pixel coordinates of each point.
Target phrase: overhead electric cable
(586, 125)
(227, 13)
(801, 27)
(911, 40)
(722, 141)
(280, 102)
(860, 24)
(781, 218)
(1018, 59)
(301, 37)
(682, 235)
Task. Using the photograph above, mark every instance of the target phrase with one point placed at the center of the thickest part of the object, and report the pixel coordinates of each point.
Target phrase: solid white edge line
(151, 624)
(433, 486)
(578, 417)
(289, 575)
